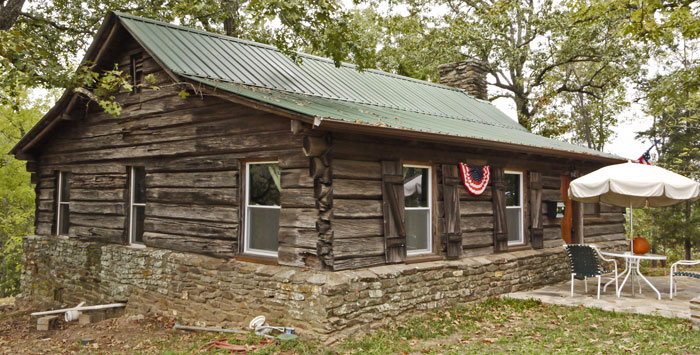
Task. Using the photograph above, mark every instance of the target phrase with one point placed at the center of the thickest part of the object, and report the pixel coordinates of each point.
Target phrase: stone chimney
(469, 75)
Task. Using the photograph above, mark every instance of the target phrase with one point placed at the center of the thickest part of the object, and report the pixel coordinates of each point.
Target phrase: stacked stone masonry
(469, 75)
(203, 290)
(695, 312)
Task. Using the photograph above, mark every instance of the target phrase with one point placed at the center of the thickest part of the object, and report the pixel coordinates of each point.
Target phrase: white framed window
(262, 208)
(514, 207)
(418, 203)
(63, 203)
(137, 203)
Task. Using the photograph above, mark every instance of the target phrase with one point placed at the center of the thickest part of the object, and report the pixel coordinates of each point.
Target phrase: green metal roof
(319, 89)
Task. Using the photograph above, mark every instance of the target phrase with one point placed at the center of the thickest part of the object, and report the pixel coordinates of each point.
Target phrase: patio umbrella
(634, 185)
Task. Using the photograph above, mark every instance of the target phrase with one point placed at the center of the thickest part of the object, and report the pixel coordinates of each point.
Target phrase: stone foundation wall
(695, 312)
(209, 291)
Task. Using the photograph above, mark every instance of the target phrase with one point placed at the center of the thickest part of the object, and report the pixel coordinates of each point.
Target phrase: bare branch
(55, 24)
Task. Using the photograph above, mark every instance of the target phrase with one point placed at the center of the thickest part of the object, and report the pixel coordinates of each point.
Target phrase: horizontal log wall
(551, 185)
(357, 213)
(192, 150)
(357, 197)
(607, 225)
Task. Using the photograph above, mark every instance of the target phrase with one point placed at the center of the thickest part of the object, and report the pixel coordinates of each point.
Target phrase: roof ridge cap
(302, 54)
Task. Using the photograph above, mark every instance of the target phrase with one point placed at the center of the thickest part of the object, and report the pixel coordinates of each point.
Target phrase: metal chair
(674, 272)
(585, 262)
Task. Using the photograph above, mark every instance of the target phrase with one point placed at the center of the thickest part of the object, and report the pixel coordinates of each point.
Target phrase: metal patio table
(632, 262)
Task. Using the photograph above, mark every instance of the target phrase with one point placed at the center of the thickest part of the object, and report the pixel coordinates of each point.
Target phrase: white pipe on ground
(72, 315)
(85, 308)
(178, 326)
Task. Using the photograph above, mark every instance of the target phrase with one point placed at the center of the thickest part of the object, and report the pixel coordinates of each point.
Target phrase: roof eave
(332, 124)
(354, 127)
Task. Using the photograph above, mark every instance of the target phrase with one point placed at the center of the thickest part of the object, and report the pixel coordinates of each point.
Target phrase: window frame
(132, 204)
(431, 240)
(246, 216)
(59, 200)
(521, 240)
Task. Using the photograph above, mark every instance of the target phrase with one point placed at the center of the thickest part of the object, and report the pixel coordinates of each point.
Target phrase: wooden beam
(106, 43)
(32, 166)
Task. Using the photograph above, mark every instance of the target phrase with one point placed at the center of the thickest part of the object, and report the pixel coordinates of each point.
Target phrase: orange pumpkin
(640, 245)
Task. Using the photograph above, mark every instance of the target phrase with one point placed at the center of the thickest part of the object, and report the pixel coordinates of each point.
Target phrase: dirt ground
(127, 334)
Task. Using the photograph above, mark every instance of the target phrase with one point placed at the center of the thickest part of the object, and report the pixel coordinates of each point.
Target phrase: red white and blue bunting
(475, 178)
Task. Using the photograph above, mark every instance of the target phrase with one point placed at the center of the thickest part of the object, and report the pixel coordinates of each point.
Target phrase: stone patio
(645, 303)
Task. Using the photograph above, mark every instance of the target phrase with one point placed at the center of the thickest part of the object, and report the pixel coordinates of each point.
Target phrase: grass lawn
(493, 326)
(516, 326)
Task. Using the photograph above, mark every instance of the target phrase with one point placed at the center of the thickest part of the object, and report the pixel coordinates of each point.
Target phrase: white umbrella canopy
(634, 185)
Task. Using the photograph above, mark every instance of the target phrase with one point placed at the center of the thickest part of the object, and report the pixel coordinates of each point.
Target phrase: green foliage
(41, 48)
(672, 99)
(544, 56)
(16, 192)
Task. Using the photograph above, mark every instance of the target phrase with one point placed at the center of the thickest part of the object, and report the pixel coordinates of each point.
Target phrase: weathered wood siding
(357, 217)
(192, 150)
(607, 225)
(357, 223)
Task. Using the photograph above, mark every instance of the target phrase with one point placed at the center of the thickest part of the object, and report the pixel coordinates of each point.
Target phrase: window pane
(65, 187)
(139, 184)
(263, 227)
(512, 189)
(415, 186)
(65, 219)
(263, 185)
(515, 223)
(417, 233)
(139, 213)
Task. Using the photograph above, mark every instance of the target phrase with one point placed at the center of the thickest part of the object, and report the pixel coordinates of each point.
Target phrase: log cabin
(303, 165)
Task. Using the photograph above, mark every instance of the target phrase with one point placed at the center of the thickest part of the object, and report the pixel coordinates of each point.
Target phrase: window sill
(258, 259)
(422, 258)
(137, 246)
(519, 247)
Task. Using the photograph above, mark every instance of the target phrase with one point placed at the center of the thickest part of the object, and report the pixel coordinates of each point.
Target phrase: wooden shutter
(500, 227)
(127, 207)
(536, 231)
(393, 207)
(453, 228)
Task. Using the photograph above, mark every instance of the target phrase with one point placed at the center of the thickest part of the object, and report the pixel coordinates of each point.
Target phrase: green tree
(16, 191)
(530, 48)
(41, 41)
(672, 99)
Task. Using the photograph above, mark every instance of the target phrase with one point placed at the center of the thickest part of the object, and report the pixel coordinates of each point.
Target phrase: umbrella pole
(631, 229)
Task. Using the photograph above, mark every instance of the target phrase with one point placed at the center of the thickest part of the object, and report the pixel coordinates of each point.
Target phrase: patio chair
(585, 262)
(674, 272)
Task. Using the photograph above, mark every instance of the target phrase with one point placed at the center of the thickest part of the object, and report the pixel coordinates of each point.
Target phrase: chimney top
(469, 75)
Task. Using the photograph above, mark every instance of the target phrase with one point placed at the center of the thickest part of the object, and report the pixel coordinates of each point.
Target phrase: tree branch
(578, 58)
(9, 12)
(55, 24)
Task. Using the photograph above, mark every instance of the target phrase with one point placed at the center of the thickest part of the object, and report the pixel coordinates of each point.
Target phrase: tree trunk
(524, 114)
(9, 12)
(688, 244)
(231, 17)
